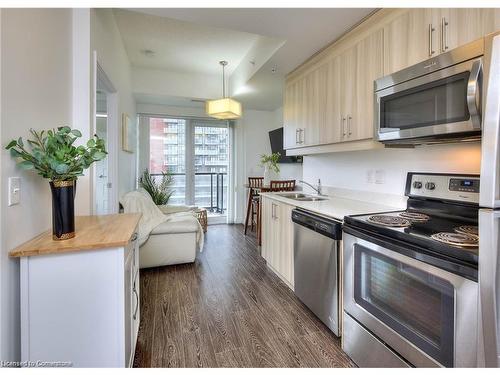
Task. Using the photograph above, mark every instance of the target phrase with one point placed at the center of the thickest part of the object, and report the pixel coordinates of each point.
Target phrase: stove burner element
(389, 221)
(456, 239)
(467, 229)
(414, 216)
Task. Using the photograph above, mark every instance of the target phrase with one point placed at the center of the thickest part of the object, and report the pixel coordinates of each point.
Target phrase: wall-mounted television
(276, 138)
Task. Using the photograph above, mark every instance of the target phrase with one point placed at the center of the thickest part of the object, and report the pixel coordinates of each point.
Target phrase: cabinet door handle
(272, 210)
(444, 34)
(431, 30)
(349, 118)
(303, 137)
(343, 127)
(136, 302)
(297, 141)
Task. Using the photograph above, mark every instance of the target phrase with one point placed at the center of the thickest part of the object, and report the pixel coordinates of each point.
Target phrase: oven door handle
(473, 89)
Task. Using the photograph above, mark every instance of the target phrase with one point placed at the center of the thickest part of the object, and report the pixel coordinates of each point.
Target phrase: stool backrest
(282, 185)
(255, 182)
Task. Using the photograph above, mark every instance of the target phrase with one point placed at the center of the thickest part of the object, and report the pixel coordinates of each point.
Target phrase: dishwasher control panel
(325, 226)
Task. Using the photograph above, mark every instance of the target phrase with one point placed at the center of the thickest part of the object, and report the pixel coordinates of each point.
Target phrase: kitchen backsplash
(384, 171)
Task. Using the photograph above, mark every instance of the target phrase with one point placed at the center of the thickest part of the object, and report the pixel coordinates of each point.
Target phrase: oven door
(443, 103)
(425, 314)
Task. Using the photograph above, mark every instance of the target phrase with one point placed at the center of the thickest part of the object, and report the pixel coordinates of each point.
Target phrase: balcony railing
(210, 190)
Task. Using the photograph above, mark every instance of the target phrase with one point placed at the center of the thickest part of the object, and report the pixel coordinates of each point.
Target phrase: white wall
(35, 93)
(112, 57)
(253, 140)
(350, 170)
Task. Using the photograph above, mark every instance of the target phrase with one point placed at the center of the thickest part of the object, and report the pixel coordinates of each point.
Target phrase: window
(195, 151)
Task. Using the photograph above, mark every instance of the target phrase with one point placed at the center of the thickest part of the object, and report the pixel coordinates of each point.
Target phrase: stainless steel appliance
(489, 216)
(439, 99)
(316, 261)
(410, 277)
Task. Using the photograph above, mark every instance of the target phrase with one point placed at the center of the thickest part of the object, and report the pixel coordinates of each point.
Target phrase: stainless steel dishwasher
(316, 261)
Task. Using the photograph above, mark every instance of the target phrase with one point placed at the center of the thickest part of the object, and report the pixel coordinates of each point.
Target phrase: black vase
(63, 209)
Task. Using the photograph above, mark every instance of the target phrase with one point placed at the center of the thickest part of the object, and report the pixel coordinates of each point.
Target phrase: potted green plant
(54, 156)
(159, 191)
(270, 164)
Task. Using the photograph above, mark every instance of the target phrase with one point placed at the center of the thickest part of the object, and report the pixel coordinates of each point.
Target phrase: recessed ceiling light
(148, 52)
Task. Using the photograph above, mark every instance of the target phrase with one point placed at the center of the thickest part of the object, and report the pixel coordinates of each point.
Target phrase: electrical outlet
(369, 176)
(14, 190)
(380, 176)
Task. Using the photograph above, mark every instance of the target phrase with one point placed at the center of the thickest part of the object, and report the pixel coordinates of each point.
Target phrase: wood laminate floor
(228, 310)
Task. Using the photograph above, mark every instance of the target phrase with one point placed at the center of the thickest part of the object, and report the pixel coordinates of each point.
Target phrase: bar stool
(253, 205)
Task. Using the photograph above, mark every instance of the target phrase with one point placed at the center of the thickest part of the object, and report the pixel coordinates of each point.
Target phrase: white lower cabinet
(277, 238)
(81, 307)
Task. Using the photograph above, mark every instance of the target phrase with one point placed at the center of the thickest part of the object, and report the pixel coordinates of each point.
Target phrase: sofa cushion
(177, 223)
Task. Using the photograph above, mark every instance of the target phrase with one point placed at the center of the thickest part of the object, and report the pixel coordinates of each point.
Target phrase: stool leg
(248, 209)
(259, 222)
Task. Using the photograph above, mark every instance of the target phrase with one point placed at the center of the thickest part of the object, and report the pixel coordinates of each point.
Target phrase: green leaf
(20, 142)
(76, 133)
(91, 143)
(14, 153)
(26, 165)
(62, 168)
(99, 155)
(11, 144)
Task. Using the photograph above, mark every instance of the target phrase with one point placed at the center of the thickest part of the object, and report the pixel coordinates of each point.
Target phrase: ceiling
(194, 40)
(178, 45)
(306, 30)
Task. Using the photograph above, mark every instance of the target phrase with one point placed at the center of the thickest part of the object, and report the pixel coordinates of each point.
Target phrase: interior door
(101, 167)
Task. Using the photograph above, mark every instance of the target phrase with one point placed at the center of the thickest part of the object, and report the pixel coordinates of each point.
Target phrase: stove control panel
(442, 186)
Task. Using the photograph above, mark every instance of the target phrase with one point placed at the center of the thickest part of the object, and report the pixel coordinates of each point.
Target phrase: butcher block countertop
(92, 232)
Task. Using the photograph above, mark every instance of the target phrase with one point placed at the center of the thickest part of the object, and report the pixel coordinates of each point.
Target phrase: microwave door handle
(473, 88)
(489, 189)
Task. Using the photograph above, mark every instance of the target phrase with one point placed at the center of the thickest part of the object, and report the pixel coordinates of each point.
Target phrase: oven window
(438, 102)
(415, 304)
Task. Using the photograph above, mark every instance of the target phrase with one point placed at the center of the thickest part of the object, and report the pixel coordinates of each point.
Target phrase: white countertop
(332, 206)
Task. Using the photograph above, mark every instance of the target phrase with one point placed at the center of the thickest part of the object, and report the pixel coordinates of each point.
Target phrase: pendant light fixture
(224, 108)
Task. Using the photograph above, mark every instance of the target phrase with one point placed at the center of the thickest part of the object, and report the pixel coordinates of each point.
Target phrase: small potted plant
(270, 164)
(159, 191)
(54, 156)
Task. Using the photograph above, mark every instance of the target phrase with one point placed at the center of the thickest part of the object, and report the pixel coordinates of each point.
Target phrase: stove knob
(417, 185)
(430, 185)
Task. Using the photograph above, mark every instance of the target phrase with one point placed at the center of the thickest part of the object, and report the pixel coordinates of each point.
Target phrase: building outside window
(196, 153)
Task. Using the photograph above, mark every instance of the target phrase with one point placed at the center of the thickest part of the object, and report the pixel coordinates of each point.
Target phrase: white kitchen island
(80, 297)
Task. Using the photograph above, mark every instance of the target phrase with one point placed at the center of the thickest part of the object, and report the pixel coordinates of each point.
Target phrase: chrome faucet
(317, 190)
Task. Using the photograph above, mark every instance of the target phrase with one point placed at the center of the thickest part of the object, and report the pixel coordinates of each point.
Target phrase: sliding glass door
(210, 165)
(196, 153)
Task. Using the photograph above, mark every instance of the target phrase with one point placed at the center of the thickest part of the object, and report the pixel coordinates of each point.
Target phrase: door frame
(101, 79)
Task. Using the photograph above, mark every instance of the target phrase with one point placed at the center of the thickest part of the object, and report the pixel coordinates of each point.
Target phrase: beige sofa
(171, 242)
(165, 239)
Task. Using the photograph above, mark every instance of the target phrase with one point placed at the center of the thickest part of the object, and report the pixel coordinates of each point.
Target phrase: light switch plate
(14, 190)
(380, 176)
(369, 176)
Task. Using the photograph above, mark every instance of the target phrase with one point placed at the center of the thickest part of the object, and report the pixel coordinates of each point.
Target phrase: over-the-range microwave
(437, 100)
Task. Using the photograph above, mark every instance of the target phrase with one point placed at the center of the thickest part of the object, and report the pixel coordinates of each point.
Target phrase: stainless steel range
(410, 284)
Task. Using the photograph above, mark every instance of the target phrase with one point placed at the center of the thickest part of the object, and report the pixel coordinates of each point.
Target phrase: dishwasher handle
(327, 227)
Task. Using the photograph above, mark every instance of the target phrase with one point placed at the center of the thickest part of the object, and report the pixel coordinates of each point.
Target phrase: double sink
(302, 197)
